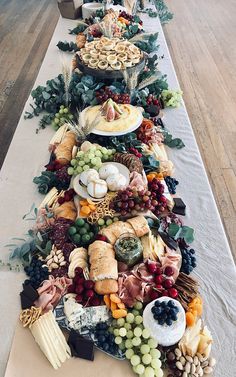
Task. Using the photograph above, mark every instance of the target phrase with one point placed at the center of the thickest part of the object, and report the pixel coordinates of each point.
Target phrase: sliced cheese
(50, 339)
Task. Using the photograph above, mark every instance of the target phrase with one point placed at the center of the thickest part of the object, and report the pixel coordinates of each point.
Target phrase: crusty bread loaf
(63, 151)
(105, 287)
(97, 254)
(108, 233)
(79, 251)
(140, 225)
(104, 269)
(99, 245)
(114, 231)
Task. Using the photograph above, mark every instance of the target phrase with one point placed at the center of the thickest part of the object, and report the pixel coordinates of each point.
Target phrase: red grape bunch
(103, 95)
(134, 201)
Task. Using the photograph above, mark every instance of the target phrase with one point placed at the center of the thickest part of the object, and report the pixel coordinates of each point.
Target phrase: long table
(25, 159)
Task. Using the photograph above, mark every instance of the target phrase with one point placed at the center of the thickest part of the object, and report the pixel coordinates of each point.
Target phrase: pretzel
(102, 210)
(29, 316)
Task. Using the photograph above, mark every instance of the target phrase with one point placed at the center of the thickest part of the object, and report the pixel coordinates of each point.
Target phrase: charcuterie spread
(109, 257)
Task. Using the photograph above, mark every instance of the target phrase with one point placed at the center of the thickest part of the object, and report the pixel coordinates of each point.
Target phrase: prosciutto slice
(135, 285)
(51, 291)
(172, 258)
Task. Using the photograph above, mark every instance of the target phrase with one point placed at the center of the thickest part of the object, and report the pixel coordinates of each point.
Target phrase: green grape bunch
(171, 98)
(136, 342)
(63, 116)
(92, 159)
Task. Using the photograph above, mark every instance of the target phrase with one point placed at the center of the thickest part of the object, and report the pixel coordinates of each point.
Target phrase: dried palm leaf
(150, 80)
(67, 75)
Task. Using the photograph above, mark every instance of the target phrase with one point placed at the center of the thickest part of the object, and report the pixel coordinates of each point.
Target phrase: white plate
(82, 190)
(133, 127)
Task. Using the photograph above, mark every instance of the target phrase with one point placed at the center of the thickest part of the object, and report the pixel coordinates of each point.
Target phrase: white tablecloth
(216, 271)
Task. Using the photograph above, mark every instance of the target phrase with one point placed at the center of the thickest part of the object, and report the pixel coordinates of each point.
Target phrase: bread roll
(104, 269)
(108, 233)
(79, 251)
(97, 254)
(105, 287)
(114, 231)
(99, 245)
(139, 225)
(63, 151)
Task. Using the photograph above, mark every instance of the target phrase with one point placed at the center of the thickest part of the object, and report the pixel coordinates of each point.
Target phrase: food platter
(109, 257)
(134, 124)
(109, 74)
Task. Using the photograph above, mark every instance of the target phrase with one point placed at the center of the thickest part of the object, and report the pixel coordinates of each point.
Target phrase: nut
(196, 360)
(200, 357)
(187, 367)
(185, 374)
(189, 358)
(63, 263)
(200, 372)
(204, 364)
(49, 262)
(55, 259)
(182, 360)
(193, 368)
(58, 252)
(179, 365)
(52, 253)
(60, 255)
(178, 352)
(211, 362)
(61, 259)
(54, 265)
(198, 368)
(208, 370)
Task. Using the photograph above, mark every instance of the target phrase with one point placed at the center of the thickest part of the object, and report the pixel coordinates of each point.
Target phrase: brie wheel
(165, 335)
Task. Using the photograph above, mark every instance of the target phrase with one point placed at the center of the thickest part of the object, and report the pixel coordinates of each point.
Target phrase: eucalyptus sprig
(34, 243)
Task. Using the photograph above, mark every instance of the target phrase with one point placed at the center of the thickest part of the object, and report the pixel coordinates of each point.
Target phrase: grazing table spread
(151, 247)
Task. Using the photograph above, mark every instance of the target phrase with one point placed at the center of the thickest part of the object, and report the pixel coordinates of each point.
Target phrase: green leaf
(14, 253)
(187, 233)
(25, 249)
(173, 230)
(46, 95)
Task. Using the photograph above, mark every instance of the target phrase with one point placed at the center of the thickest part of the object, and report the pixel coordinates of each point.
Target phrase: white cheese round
(165, 335)
(107, 170)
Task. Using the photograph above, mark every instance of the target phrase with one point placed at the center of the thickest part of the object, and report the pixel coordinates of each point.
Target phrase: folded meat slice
(142, 273)
(137, 181)
(172, 258)
(51, 291)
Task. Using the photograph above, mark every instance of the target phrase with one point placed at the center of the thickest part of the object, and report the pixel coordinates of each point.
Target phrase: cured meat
(172, 259)
(137, 181)
(135, 285)
(51, 291)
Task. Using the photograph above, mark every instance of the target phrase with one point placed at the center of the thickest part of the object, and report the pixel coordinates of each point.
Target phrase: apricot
(190, 319)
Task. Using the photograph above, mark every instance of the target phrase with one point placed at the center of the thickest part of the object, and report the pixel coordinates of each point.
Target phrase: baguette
(99, 245)
(105, 287)
(140, 225)
(98, 254)
(104, 269)
(63, 151)
(114, 231)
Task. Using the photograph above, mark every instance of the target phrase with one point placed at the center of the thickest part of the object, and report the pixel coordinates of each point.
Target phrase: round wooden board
(109, 75)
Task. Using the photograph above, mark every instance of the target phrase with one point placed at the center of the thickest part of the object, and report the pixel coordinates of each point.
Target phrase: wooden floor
(26, 28)
(202, 42)
(201, 38)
